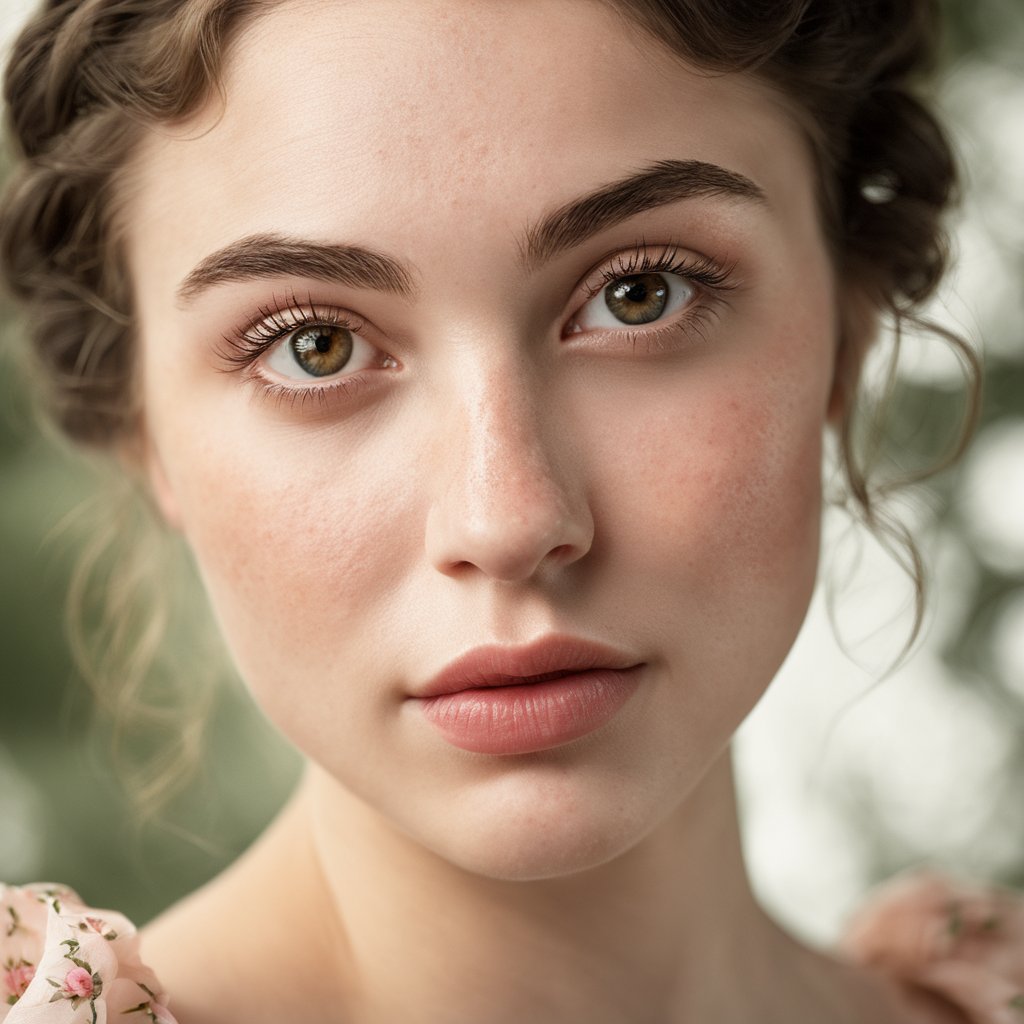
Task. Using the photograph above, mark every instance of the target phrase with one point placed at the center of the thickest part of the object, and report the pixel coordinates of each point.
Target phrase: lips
(521, 700)
(543, 661)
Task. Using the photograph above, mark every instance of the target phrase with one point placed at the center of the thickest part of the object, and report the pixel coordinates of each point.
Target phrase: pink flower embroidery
(62, 961)
(97, 925)
(78, 983)
(16, 979)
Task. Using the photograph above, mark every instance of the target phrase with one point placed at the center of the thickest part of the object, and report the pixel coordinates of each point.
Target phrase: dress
(62, 962)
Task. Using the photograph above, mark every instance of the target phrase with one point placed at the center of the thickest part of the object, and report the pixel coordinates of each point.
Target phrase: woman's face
(480, 417)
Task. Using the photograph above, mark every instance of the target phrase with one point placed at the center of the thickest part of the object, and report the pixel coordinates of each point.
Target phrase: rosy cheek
(730, 492)
(764, 491)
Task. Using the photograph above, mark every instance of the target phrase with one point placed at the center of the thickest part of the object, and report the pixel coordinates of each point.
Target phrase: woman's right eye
(319, 350)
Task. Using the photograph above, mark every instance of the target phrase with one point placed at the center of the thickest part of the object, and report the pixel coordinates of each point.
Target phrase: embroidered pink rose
(62, 962)
(78, 983)
(16, 979)
(99, 926)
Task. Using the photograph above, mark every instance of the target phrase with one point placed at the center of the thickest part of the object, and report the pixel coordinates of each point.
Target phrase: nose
(506, 503)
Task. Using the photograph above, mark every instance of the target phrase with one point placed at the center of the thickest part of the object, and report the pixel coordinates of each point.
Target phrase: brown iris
(322, 349)
(637, 299)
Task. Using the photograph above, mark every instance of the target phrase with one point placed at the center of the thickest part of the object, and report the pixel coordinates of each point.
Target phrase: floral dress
(62, 962)
(964, 942)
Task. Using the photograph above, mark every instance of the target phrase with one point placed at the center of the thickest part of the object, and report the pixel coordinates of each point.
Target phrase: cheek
(759, 484)
(290, 539)
(719, 505)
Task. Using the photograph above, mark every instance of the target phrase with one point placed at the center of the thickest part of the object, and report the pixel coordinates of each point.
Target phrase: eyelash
(267, 328)
(284, 316)
(272, 323)
(714, 280)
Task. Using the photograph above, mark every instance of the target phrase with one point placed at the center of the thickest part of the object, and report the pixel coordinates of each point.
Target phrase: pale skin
(509, 465)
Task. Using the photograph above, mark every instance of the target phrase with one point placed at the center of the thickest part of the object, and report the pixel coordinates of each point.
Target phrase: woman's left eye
(635, 299)
(320, 350)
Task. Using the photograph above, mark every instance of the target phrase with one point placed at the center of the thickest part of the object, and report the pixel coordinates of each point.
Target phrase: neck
(365, 926)
(662, 933)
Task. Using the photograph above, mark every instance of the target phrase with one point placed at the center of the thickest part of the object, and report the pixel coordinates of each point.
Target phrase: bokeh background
(847, 772)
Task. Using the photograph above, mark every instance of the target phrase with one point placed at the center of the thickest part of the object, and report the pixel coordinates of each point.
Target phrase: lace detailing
(62, 962)
(962, 941)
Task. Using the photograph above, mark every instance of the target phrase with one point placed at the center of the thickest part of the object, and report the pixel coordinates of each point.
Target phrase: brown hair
(87, 77)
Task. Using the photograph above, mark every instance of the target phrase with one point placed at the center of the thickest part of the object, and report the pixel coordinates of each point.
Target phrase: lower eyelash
(666, 339)
(303, 396)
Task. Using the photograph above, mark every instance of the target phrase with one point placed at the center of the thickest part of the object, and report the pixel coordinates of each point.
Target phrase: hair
(88, 78)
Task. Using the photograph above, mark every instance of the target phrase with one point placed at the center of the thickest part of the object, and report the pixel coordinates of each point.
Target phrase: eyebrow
(268, 255)
(661, 183)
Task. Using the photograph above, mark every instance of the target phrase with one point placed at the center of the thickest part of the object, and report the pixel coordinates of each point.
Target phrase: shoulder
(57, 954)
(959, 940)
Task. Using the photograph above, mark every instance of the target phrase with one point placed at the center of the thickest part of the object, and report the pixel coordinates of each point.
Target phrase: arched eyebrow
(661, 183)
(271, 255)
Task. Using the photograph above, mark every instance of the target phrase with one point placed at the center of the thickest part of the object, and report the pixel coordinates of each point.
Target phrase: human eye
(646, 292)
(300, 350)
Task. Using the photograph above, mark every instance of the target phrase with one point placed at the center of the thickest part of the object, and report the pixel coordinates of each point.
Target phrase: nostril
(562, 553)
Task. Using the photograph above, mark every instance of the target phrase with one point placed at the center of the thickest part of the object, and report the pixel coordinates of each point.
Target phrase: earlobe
(141, 459)
(858, 329)
(160, 488)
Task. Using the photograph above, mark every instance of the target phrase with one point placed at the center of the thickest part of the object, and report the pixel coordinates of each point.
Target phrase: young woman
(482, 353)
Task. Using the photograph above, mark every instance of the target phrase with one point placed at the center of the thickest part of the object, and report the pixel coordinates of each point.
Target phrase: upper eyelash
(668, 259)
(272, 323)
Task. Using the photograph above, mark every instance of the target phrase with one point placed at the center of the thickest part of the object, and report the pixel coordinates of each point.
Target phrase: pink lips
(517, 700)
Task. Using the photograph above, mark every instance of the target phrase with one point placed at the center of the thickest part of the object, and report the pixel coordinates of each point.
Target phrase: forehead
(402, 118)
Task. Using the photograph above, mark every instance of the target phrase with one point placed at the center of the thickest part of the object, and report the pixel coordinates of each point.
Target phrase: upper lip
(503, 665)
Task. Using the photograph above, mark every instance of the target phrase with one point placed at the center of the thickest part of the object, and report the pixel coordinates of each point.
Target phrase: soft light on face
(482, 432)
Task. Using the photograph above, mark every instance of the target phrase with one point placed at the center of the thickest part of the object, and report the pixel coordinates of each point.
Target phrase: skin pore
(498, 462)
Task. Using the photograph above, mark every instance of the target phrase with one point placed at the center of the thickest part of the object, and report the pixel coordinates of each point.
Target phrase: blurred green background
(930, 764)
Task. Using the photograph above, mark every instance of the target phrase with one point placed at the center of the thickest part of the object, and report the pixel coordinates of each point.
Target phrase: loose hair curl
(87, 78)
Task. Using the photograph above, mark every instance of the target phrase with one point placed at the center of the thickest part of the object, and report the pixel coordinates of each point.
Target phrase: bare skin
(633, 942)
(500, 463)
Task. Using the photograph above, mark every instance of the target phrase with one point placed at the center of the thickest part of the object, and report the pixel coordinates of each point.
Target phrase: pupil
(637, 299)
(323, 341)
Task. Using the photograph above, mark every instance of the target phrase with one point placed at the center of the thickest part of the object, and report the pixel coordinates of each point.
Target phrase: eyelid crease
(658, 184)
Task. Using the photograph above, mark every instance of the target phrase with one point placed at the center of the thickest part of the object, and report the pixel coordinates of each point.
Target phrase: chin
(525, 830)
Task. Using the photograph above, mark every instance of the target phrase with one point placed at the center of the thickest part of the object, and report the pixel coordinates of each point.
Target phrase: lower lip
(532, 716)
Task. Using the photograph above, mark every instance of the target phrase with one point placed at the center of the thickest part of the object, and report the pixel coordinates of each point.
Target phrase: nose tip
(514, 542)
(506, 511)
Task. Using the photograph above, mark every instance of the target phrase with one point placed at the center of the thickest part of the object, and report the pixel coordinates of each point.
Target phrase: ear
(161, 490)
(858, 322)
(140, 458)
